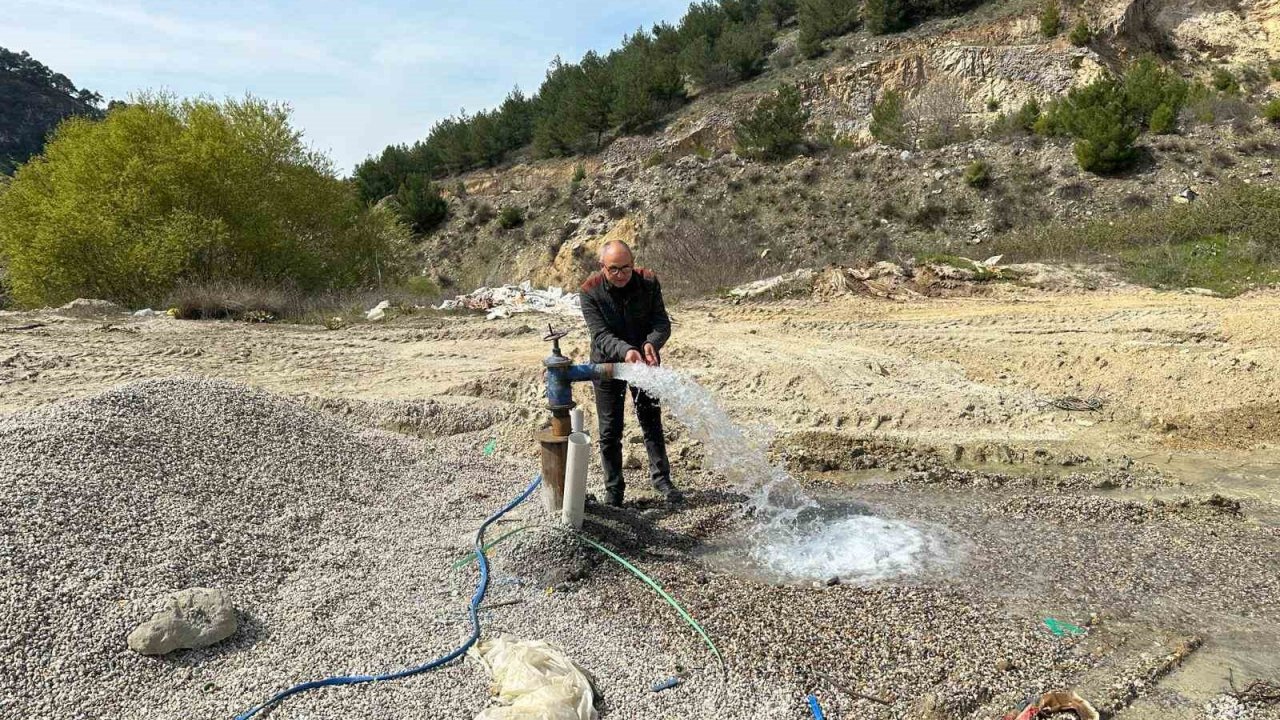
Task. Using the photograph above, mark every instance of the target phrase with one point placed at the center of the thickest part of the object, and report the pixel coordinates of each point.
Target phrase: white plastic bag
(536, 680)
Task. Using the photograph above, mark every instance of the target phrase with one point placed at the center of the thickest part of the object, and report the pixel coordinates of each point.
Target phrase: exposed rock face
(1232, 31)
(195, 618)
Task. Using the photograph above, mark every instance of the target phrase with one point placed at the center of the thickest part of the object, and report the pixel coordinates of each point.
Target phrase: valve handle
(554, 335)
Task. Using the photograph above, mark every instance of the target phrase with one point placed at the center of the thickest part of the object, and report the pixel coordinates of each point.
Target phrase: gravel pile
(335, 540)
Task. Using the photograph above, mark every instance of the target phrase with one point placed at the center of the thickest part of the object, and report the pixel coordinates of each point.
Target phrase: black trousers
(610, 404)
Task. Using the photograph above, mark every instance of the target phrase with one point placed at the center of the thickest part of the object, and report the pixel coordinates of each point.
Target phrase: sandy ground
(935, 410)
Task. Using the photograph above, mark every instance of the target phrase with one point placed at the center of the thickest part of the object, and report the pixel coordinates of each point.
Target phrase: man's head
(616, 262)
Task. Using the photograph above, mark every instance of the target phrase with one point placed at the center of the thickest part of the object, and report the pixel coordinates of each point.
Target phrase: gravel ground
(336, 540)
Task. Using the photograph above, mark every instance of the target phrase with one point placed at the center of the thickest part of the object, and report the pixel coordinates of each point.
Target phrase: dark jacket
(625, 318)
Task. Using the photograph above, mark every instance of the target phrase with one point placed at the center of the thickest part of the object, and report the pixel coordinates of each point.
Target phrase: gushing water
(794, 538)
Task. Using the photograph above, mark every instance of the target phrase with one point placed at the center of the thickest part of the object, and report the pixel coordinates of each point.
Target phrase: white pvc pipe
(575, 420)
(575, 480)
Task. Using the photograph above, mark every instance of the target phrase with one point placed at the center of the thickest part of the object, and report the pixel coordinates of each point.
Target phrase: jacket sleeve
(661, 331)
(602, 338)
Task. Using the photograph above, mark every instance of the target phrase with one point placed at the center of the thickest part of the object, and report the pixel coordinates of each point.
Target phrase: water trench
(792, 536)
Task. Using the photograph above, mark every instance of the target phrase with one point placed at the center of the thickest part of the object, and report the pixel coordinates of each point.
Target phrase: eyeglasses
(617, 269)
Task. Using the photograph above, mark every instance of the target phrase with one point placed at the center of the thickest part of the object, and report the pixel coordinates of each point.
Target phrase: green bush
(1148, 85)
(579, 173)
(978, 174)
(420, 204)
(1081, 35)
(1224, 81)
(655, 159)
(1050, 18)
(1275, 71)
(163, 192)
(888, 121)
(821, 19)
(1164, 121)
(1271, 111)
(776, 126)
(510, 217)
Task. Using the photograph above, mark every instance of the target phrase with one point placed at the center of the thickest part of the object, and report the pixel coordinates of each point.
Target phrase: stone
(195, 618)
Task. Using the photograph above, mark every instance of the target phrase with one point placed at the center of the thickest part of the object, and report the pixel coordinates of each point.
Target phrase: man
(628, 322)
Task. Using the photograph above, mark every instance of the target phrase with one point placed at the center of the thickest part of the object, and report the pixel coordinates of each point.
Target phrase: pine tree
(821, 19)
(776, 126)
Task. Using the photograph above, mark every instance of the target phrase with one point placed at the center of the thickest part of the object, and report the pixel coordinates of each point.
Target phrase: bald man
(628, 322)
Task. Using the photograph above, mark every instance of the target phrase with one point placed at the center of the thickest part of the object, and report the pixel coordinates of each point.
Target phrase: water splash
(793, 537)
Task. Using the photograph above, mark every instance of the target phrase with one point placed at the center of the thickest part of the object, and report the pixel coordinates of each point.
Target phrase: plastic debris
(490, 446)
(505, 301)
(1061, 628)
(534, 680)
(378, 312)
(665, 684)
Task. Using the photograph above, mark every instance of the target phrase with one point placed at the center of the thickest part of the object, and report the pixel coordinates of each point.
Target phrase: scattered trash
(1186, 196)
(508, 300)
(147, 312)
(490, 446)
(1060, 700)
(379, 312)
(665, 684)
(1060, 628)
(535, 680)
(815, 708)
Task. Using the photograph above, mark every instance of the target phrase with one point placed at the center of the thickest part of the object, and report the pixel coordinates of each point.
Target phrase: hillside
(33, 100)
(696, 208)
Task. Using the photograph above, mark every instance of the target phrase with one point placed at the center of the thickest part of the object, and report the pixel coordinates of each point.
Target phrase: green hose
(663, 593)
(471, 556)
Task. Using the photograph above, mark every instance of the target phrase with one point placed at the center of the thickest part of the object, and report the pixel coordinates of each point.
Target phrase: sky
(358, 75)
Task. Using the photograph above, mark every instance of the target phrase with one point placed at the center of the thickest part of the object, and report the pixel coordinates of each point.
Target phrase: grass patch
(1226, 266)
(1227, 241)
(980, 271)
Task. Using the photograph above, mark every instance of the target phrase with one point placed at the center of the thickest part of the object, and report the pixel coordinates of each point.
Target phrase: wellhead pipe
(575, 480)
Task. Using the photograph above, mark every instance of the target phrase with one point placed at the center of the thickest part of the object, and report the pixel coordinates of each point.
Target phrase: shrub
(1271, 111)
(1224, 81)
(1103, 121)
(938, 114)
(1081, 35)
(888, 122)
(776, 126)
(1149, 85)
(579, 173)
(654, 160)
(420, 204)
(993, 104)
(978, 174)
(1050, 19)
(1164, 121)
(698, 255)
(510, 217)
(1275, 71)
(163, 192)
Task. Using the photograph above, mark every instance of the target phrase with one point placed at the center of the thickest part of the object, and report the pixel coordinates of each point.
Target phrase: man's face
(617, 266)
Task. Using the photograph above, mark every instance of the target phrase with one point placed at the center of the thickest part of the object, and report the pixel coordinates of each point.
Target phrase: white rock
(195, 618)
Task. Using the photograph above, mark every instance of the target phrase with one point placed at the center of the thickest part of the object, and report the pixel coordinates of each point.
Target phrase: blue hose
(472, 610)
(815, 708)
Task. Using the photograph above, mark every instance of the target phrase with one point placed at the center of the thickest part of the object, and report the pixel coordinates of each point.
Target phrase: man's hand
(651, 357)
(633, 356)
